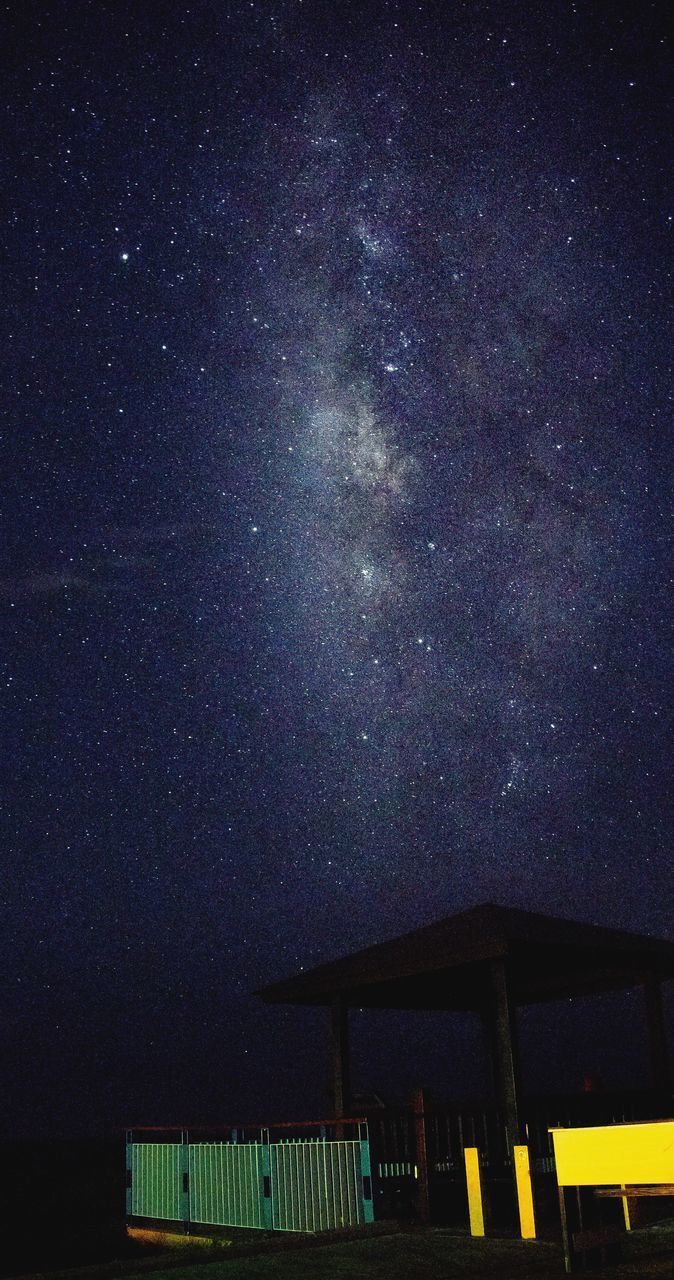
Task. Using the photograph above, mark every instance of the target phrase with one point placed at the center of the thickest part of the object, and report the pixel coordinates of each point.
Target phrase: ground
(416, 1255)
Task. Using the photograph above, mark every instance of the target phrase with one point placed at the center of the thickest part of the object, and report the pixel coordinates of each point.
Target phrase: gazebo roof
(446, 965)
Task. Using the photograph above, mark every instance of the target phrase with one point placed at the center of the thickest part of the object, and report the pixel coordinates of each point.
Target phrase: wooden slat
(618, 1192)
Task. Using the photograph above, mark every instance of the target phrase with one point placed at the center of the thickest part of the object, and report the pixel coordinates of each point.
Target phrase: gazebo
(488, 960)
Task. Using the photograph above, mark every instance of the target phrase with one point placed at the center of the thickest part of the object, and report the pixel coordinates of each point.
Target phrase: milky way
(334, 573)
(454, 339)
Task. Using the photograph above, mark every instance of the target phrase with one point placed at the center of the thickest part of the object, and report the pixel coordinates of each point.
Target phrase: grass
(414, 1255)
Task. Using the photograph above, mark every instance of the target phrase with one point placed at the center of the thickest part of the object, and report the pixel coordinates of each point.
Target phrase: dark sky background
(334, 568)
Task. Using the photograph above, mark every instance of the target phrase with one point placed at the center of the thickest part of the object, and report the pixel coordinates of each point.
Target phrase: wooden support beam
(566, 1238)
(619, 1193)
(505, 1057)
(627, 1212)
(657, 1035)
(341, 1082)
(419, 1099)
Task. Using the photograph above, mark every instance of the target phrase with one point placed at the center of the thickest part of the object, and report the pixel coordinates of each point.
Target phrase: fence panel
(297, 1185)
(227, 1184)
(156, 1180)
(317, 1186)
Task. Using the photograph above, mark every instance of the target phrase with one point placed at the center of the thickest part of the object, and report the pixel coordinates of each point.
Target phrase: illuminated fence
(400, 1163)
(226, 1184)
(319, 1185)
(156, 1184)
(302, 1184)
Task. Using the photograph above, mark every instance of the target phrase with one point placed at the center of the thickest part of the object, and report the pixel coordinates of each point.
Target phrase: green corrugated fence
(225, 1182)
(156, 1182)
(316, 1185)
(313, 1185)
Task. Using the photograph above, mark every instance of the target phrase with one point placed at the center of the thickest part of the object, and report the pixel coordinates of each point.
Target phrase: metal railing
(318, 1175)
(304, 1179)
(449, 1129)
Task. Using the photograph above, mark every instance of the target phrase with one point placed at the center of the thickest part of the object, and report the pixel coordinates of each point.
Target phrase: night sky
(334, 559)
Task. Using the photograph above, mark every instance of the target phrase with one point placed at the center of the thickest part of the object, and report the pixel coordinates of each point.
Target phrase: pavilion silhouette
(489, 960)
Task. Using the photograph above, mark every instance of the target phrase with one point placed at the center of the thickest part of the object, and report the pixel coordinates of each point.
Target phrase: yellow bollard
(525, 1199)
(471, 1156)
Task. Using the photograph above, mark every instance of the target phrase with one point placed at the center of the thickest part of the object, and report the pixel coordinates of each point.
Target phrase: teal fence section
(298, 1185)
(156, 1189)
(316, 1186)
(227, 1184)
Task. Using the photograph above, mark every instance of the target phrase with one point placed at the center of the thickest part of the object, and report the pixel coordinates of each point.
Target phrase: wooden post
(476, 1212)
(657, 1035)
(340, 1057)
(419, 1100)
(504, 1048)
(525, 1196)
(566, 1238)
(626, 1209)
